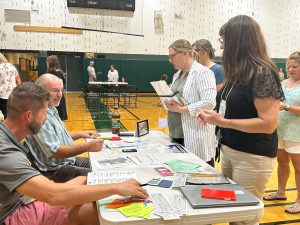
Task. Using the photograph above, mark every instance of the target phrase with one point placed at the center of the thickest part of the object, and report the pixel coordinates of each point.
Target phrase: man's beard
(34, 127)
(56, 105)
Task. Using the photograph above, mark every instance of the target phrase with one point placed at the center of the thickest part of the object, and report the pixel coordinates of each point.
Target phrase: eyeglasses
(173, 55)
(56, 91)
(221, 40)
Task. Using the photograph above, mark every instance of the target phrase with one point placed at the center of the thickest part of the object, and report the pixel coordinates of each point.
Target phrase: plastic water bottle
(115, 121)
(123, 79)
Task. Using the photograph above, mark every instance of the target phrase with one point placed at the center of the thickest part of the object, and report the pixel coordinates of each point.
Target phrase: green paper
(106, 137)
(180, 166)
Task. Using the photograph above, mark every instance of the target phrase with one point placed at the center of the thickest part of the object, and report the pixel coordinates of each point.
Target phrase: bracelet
(287, 108)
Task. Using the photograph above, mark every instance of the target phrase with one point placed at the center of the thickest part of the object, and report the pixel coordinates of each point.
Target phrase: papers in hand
(164, 92)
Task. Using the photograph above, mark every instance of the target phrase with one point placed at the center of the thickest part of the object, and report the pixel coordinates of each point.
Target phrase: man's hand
(89, 134)
(94, 145)
(131, 188)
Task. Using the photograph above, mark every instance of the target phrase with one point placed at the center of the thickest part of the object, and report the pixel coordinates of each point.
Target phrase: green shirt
(288, 127)
(174, 118)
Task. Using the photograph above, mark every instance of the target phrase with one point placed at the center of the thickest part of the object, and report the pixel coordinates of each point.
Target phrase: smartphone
(129, 150)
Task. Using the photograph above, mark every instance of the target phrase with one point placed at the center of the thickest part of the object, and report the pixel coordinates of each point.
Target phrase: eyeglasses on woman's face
(172, 56)
(221, 40)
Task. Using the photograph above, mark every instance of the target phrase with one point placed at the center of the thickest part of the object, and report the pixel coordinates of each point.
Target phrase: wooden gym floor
(148, 108)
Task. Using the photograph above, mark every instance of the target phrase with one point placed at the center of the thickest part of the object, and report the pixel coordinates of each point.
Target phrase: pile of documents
(180, 166)
(137, 210)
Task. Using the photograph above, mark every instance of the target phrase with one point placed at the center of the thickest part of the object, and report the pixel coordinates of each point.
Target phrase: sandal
(273, 197)
(293, 209)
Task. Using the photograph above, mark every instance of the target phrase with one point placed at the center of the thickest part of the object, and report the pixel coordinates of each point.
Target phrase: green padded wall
(42, 66)
(136, 69)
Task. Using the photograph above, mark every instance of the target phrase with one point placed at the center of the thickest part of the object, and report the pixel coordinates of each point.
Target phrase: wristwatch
(287, 108)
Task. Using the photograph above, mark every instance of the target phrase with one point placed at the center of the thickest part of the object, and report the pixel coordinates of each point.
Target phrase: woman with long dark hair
(248, 106)
(53, 67)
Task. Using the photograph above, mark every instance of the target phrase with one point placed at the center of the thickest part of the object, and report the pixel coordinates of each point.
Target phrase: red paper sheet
(218, 194)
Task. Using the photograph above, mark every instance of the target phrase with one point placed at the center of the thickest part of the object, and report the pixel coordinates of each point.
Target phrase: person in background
(1, 116)
(91, 71)
(281, 74)
(196, 88)
(248, 107)
(70, 203)
(205, 54)
(53, 148)
(113, 75)
(9, 78)
(53, 67)
(164, 77)
(289, 134)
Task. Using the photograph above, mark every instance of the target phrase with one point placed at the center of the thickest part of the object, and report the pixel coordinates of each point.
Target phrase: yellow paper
(137, 210)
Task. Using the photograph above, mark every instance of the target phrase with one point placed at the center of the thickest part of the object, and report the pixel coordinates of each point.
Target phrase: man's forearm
(75, 135)
(63, 193)
(74, 194)
(66, 151)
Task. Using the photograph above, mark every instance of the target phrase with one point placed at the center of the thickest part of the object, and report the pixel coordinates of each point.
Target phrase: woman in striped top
(195, 86)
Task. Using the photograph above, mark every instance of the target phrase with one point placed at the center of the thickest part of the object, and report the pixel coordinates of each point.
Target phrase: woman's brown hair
(245, 50)
(53, 64)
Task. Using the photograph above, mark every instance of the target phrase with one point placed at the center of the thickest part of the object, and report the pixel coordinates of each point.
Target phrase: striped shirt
(200, 92)
(47, 142)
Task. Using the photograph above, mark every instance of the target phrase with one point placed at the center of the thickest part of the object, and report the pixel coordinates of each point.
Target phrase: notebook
(193, 194)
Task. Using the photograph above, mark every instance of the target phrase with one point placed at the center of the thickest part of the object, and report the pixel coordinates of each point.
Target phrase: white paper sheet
(162, 89)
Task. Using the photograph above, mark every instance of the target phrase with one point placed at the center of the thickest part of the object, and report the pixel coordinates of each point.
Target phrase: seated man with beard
(71, 203)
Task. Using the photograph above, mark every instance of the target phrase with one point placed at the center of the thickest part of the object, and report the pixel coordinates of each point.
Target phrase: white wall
(279, 20)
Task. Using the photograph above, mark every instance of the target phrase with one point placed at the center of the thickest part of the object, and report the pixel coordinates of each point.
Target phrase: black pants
(3, 107)
(81, 167)
(181, 141)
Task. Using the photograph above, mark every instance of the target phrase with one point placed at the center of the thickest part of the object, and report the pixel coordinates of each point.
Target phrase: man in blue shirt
(53, 147)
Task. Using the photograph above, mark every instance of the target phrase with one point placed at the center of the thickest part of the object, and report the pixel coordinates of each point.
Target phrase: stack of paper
(137, 210)
(207, 179)
(163, 207)
(112, 162)
(180, 166)
(109, 177)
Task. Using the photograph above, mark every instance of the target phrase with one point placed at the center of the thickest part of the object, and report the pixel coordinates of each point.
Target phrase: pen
(108, 147)
(142, 185)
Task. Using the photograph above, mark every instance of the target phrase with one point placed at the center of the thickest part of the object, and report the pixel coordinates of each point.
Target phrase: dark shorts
(38, 213)
(81, 167)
